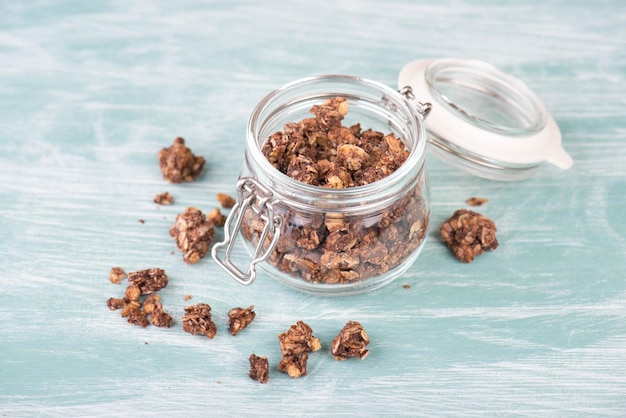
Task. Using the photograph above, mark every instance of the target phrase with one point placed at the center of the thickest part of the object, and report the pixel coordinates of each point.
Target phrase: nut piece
(178, 164)
(193, 234)
(197, 320)
(216, 217)
(116, 275)
(225, 200)
(239, 318)
(163, 199)
(350, 342)
(294, 366)
(259, 368)
(469, 234)
(148, 281)
(476, 201)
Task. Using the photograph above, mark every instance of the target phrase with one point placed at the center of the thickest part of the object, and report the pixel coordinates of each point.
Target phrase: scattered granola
(193, 234)
(350, 342)
(295, 343)
(141, 221)
(469, 234)
(476, 201)
(149, 280)
(298, 339)
(143, 282)
(225, 200)
(197, 320)
(240, 318)
(216, 217)
(178, 164)
(259, 368)
(117, 275)
(333, 248)
(163, 199)
(188, 297)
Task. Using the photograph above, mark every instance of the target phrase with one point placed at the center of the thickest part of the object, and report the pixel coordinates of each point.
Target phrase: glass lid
(483, 120)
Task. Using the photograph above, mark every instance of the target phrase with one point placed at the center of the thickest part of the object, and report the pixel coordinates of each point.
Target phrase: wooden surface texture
(90, 91)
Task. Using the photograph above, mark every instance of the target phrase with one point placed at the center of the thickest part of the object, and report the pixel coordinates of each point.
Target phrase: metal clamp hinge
(423, 108)
(251, 195)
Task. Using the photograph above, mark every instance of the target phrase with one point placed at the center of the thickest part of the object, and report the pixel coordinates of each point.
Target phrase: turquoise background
(91, 91)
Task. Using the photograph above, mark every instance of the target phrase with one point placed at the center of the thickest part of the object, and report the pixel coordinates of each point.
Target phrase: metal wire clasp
(251, 195)
(423, 108)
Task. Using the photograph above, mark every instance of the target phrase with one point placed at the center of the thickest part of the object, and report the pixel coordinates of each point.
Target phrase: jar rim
(398, 103)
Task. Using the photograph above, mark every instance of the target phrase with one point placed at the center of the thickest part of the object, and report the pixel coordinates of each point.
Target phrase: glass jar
(330, 241)
(341, 241)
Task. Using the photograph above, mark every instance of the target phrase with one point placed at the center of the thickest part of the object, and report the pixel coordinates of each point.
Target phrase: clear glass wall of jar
(331, 241)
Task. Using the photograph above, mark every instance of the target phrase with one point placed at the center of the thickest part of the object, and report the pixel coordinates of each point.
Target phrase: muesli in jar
(336, 248)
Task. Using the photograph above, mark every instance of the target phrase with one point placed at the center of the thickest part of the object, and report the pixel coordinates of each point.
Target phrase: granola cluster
(136, 310)
(259, 368)
(240, 318)
(193, 234)
(197, 320)
(350, 342)
(295, 344)
(469, 234)
(178, 164)
(148, 281)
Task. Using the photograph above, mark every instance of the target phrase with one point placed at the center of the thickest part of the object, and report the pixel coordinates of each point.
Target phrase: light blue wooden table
(91, 90)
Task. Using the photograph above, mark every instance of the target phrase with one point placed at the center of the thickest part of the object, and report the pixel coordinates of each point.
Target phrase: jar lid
(483, 120)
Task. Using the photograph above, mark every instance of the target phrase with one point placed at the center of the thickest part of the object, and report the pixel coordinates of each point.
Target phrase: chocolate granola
(197, 320)
(469, 234)
(259, 368)
(178, 164)
(193, 234)
(333, 248)
(350, 342)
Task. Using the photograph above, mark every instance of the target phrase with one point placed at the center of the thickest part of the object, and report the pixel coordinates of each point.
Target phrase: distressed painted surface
(90, 91)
